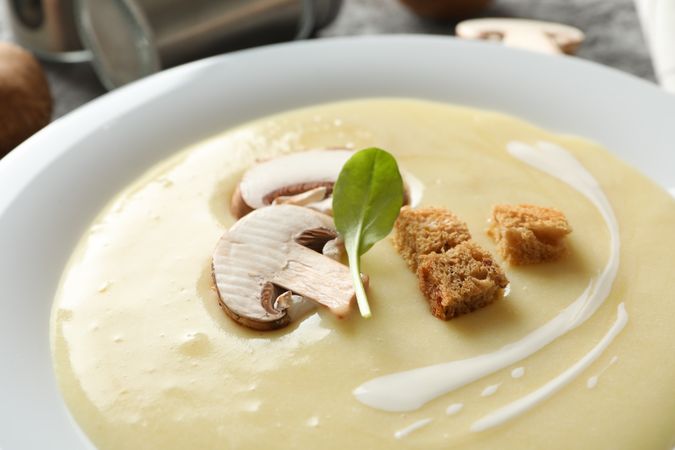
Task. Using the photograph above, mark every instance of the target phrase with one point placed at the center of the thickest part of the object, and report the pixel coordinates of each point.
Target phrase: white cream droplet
(454, 409)
(403, 432)
(252, 406)
(415, 188)
(592, 382)
(490, 390)
(518, 372)
(104, 286)
(313, 422)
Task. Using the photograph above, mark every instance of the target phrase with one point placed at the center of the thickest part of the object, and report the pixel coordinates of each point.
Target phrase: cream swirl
(411, 389)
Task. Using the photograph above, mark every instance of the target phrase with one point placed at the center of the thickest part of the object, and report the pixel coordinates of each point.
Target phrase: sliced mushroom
(545, 37)
(288, 176)
(303, 179)
(266, 260)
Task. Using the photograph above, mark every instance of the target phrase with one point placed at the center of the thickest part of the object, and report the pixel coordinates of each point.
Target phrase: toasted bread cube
(528, 234)
(460, 280)
(421, 231)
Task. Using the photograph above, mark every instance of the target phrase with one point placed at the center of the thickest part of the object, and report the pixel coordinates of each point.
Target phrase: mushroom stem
(304, 198)
(316, 277)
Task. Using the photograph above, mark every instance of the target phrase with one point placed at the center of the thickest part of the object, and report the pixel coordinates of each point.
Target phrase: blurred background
(181, 30)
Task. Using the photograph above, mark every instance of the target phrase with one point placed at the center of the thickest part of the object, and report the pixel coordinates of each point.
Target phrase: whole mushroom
(25, 100)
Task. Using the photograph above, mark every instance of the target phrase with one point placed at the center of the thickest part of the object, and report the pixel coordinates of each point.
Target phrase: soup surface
(146, 358)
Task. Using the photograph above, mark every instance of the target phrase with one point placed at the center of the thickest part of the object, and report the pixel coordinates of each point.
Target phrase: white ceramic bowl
(54, 184)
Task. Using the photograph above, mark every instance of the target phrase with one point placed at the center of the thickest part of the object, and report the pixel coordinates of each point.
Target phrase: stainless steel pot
(130, 39)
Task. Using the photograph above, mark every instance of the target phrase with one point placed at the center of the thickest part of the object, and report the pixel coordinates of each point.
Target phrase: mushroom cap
(25, 100)
(258, 249)
(566, 37)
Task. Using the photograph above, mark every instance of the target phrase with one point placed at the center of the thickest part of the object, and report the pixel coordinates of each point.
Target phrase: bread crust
(460, 280)
(418, 232)
(528, 234)
(454, 273)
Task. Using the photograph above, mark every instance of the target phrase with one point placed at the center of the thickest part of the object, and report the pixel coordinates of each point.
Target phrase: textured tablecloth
(613, 36)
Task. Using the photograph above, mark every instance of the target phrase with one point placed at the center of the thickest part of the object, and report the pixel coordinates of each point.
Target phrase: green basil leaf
(367, 198)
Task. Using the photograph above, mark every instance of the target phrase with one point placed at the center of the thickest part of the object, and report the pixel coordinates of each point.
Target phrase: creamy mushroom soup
(577, 355)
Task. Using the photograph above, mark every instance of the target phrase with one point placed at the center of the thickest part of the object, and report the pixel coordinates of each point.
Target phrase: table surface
(613, 36)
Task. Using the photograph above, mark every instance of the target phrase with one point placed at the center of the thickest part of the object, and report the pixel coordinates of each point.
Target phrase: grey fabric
(613, 36)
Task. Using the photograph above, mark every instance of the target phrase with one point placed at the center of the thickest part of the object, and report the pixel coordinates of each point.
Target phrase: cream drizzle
(490, 390)
(518, 372)
(593, 380)
(409, 390)
(527, 402)
(403, 432)
(454, 409)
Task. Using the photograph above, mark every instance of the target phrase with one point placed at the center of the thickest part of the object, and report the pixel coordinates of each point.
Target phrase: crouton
(460, 280)
(421, 231)
(528, 234)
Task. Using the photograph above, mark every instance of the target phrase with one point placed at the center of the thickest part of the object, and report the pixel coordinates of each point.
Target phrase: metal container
(47, 28)
(130, 39)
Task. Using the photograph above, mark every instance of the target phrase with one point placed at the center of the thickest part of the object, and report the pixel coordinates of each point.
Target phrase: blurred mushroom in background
(536, 35)
(25, 99)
